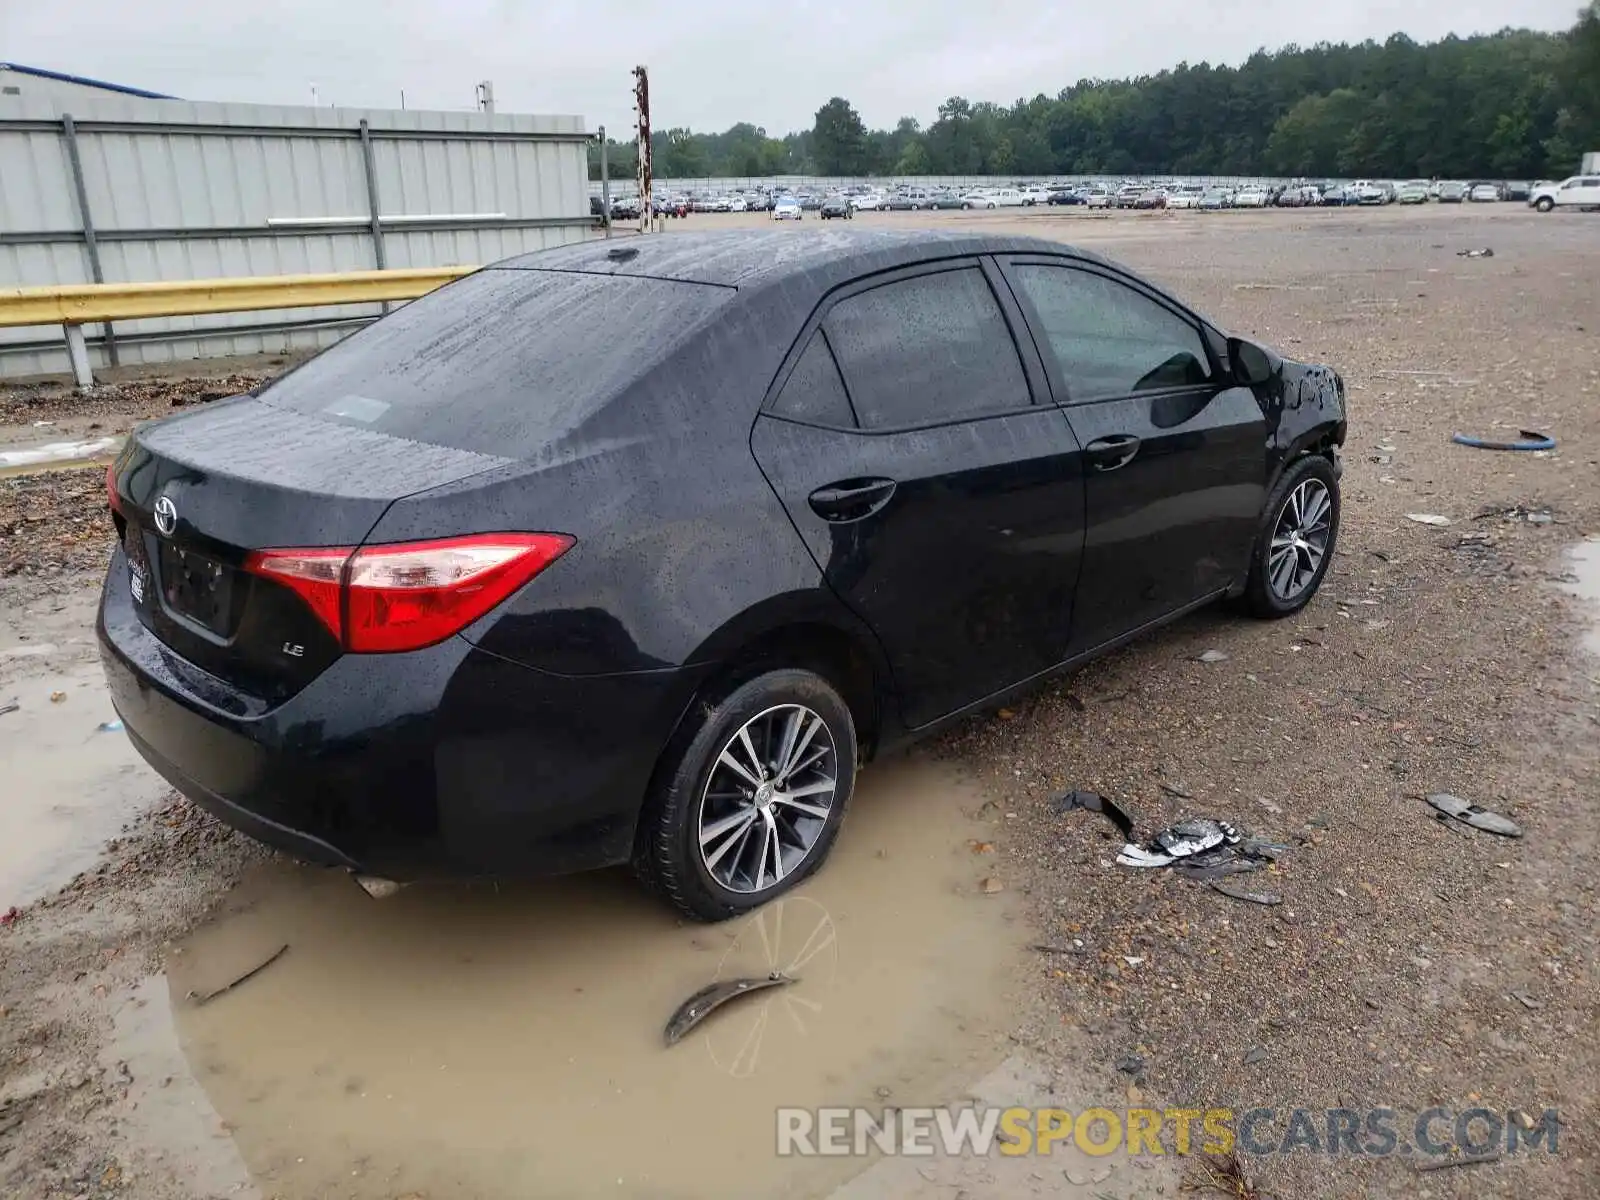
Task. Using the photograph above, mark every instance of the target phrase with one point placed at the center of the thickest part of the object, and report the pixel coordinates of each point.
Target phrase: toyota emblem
(166, 514)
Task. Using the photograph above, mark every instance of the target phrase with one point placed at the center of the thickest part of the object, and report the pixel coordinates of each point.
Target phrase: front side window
(1108, 339)
(926, 350)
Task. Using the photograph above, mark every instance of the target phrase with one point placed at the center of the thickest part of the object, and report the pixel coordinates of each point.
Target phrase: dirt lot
(505, 1042)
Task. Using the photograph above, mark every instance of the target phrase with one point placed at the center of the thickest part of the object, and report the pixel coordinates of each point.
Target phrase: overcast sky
(712, 62)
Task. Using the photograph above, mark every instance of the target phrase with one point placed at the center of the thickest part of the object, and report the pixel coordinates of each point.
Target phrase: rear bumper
(448, 761)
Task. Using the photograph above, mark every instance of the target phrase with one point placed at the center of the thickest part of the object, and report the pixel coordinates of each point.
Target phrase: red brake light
(111, 488)
(316, 575)
(411, 594)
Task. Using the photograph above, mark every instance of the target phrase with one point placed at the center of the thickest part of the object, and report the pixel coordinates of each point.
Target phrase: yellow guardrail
(73, 305)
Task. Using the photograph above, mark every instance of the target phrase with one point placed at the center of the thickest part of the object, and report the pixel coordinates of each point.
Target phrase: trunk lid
(197, 493)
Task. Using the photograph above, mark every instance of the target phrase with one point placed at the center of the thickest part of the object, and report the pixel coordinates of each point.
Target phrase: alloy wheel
(1300, 540)
(768, 798)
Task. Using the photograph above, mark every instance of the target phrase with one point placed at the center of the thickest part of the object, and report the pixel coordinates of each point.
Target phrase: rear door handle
(1109, 453)
(851, 499)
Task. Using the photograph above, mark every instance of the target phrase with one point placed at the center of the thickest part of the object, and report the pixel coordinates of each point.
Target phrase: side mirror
(1252, 366)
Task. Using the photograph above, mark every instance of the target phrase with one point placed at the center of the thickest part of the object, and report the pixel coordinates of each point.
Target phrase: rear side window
(925, 350)
(814, 393)
(502, 362)
(1108, 339)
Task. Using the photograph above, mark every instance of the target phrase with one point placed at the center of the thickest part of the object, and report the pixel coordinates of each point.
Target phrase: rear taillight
(111, 489)
(381, 599)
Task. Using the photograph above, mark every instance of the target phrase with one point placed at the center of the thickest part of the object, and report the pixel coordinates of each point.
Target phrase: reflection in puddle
(1585, 559)
(475, 1042)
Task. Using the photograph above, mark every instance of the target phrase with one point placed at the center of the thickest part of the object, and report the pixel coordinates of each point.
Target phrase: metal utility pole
(641, 105)
(605, 184)
(486, 96)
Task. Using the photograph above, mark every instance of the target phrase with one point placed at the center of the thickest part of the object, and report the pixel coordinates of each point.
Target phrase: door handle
(851, 499)
(1109, 453)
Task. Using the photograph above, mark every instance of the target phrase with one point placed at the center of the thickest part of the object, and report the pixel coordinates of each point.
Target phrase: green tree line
(1514, 104)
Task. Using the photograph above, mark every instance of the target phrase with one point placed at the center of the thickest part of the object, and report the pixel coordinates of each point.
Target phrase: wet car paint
(527, 742)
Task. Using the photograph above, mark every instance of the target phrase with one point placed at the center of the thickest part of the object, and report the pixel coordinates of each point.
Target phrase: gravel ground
(115, 407)
(1435, 658)
(1408, 965)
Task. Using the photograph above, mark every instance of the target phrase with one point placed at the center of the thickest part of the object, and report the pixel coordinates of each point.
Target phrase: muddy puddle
(68, 785)
(1584, 559)
(479, 1042)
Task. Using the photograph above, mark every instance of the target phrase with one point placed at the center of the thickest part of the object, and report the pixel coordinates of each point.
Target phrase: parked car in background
(1516, 189)
(869, 201)
(1064, 196)
(1415, 192)
(445, 631)
(944, 199)
(1451, 192)
(1153, 198)
(787, 208)
(1484, 193)
(835, 206)
(1128, 195)
(1034, 195)
(1096, 197)
(626, 208)
(1250, 197)
(1186, 196)
(1581, 191)
(1213, 199)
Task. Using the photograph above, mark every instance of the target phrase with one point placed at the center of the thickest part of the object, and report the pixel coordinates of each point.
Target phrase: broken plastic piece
(1471, 814)
(1428, 518)
(1203, 850)
(1486, 252)
(712, 997)
(109, 727)
(1194, 837)
(1094, 802)
(1531, 440)
(1266, 898)
(1212, 656)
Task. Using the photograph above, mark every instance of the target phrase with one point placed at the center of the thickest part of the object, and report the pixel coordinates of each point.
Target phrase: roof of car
(746, 258)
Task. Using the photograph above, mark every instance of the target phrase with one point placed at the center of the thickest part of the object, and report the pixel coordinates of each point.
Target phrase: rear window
(500, 362)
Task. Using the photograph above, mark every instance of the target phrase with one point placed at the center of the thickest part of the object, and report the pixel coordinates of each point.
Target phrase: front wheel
(751, 803)
(1545, 204)
(1295, 543)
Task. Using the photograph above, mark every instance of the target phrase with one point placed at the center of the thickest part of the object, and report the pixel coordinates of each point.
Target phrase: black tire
(1545, 204)
(667, 853)
(1261, 598)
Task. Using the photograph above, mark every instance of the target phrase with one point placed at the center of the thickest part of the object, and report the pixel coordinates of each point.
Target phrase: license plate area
(197, 587)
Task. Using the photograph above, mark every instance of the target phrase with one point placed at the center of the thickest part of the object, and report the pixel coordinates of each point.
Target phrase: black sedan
(1064, 196)
(836, 206)
(616, 554)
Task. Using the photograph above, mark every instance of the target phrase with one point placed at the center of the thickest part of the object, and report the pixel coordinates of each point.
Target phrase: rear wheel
(748, 804)
(1295, 544)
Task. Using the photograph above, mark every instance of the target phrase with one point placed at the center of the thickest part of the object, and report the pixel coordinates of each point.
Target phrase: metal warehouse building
(105, 183)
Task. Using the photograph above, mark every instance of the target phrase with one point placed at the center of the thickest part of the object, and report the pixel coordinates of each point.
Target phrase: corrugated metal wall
(189, 191)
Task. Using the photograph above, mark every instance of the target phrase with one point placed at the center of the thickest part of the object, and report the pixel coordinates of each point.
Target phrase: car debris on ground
(1529, 440)
(1428, 518)
(1473, 815)
(1094, 802)
(713, 996)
